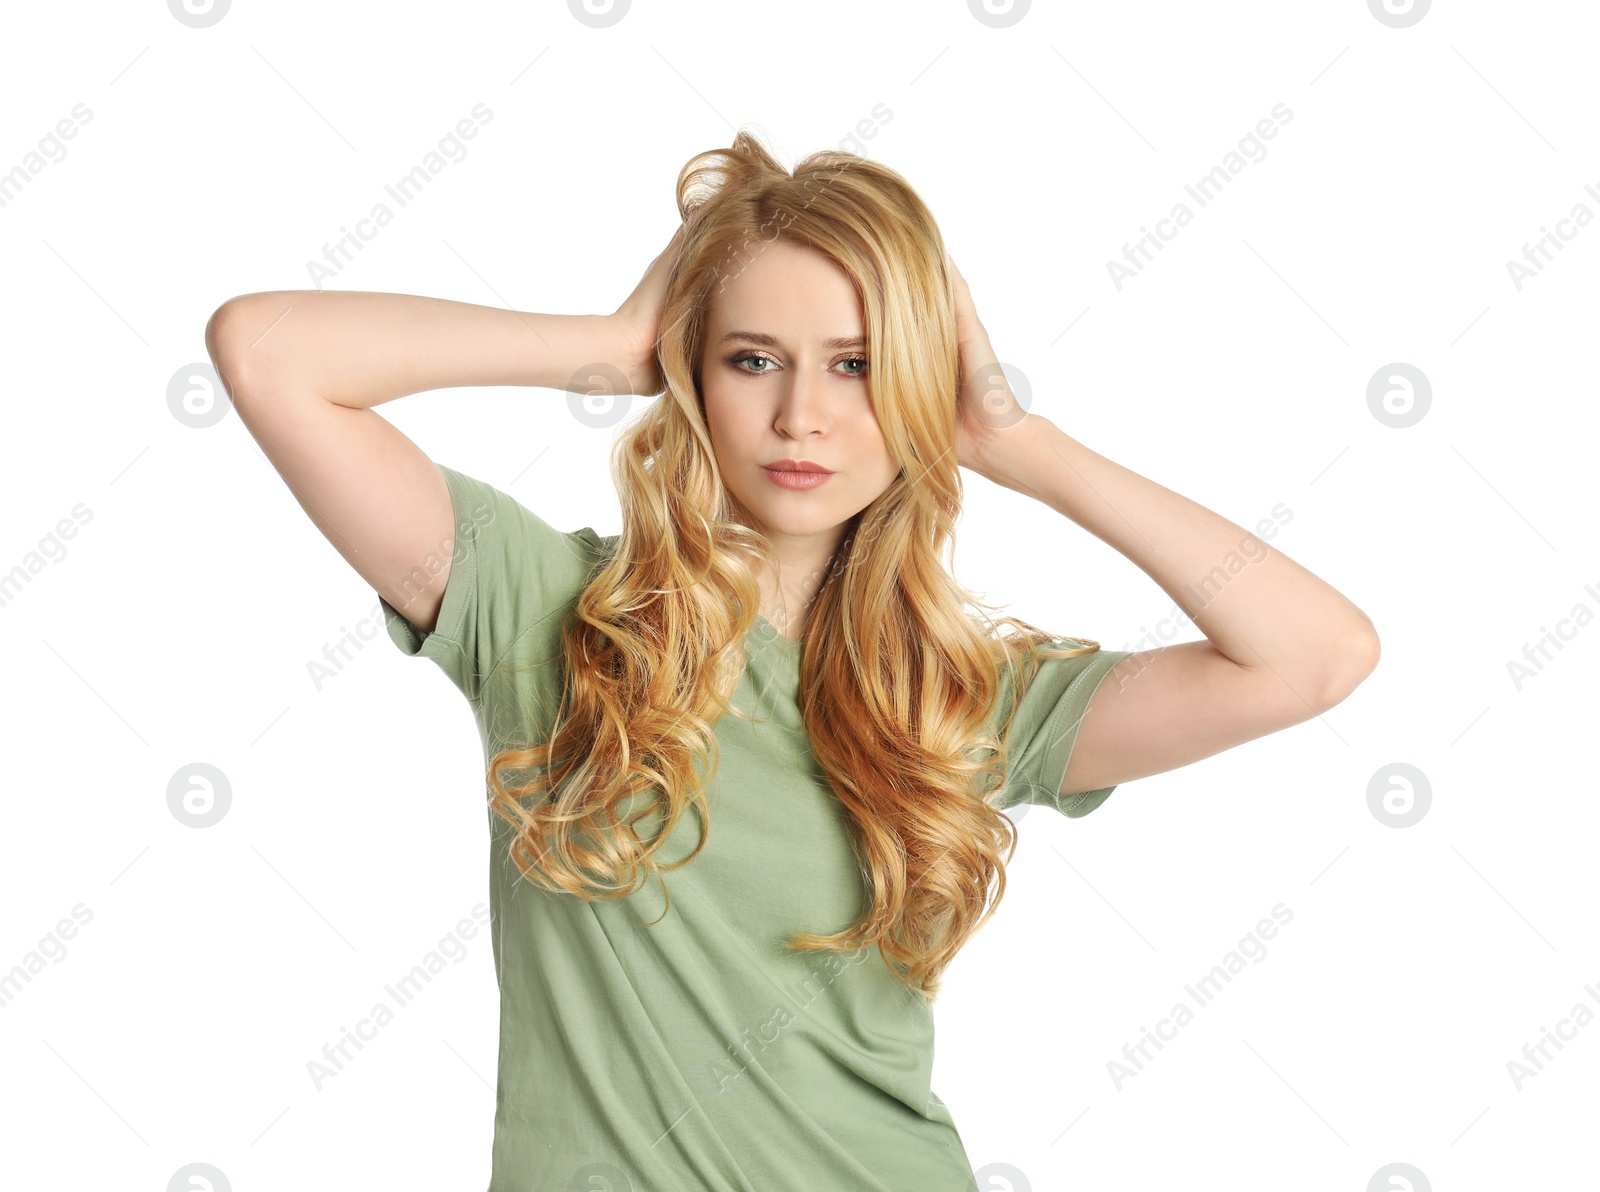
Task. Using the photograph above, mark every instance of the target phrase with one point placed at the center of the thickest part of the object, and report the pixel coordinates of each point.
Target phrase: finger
(959, 278)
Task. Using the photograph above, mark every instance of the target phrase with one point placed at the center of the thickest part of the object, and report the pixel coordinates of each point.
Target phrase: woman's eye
(750, 359)
(861, 360)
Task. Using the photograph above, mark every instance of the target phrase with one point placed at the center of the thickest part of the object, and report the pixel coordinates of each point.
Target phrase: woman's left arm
(1281, 644)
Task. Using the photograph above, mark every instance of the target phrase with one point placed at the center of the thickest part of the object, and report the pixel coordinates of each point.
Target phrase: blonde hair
(897, 681)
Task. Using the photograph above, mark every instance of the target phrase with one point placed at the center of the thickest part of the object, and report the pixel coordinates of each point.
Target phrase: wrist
(1012, 456)
(618, 341)
(590, 347)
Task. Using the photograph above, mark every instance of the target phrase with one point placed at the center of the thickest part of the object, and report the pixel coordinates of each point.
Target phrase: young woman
(748, 758)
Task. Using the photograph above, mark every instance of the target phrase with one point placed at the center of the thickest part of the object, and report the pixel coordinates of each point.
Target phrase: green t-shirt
(698, 1053)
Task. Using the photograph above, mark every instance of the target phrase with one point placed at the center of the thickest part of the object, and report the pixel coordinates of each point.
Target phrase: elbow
(213, 335)
(230, 332)
(1350, 662)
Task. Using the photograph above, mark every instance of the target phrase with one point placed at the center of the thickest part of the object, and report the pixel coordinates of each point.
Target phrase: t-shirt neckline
(765, 632)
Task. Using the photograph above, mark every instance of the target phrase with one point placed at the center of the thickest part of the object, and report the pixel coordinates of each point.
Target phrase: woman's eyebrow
(771, 341)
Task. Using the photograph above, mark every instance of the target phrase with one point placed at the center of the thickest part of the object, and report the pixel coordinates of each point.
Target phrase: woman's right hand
(637, 322)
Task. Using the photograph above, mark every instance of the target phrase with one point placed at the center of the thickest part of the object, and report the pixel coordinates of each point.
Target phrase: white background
(180, 622)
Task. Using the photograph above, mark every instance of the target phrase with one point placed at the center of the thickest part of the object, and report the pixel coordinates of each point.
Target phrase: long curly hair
(897, 680)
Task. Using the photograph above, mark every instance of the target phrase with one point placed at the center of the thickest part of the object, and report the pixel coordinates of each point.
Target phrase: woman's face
(784, 376)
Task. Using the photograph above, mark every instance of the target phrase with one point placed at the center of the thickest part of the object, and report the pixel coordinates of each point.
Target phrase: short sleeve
(509, 570)
(1045, 728)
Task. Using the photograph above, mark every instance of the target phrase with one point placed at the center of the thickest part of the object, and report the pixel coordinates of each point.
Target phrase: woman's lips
(796, 479)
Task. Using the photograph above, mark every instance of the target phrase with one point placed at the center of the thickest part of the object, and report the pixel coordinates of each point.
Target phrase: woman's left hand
(986, 409)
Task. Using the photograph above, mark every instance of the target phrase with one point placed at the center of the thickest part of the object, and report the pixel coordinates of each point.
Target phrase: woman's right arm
(304, 368)
(360, 349)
